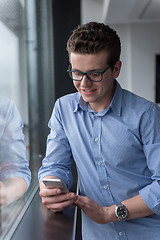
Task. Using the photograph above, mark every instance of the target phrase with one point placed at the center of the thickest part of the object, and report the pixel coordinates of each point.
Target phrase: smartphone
(56, 183)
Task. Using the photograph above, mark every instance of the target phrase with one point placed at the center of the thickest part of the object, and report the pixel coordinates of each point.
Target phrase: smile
(87, 90)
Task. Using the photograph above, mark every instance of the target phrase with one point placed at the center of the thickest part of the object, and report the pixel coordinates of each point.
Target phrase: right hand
(54, 200)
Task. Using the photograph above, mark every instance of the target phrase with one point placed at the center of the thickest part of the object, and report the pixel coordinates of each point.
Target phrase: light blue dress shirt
(117, 153)
(13, 162)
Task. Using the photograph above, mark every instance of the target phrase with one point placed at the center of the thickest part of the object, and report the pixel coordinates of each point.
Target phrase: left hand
(3, 195)
(11, 190)
(136, 206)
(97, 213)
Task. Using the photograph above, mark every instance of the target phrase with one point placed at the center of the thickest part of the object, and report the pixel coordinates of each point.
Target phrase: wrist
(110, 214)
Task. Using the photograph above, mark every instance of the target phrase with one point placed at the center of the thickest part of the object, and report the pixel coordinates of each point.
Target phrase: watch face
(121, 212)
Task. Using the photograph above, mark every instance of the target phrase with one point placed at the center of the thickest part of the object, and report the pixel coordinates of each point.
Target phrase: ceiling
(128, 11)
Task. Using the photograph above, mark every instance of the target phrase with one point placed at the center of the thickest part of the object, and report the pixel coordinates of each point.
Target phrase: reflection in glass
(15, 174)
(13, 70)
(26, 73)
(14, 171)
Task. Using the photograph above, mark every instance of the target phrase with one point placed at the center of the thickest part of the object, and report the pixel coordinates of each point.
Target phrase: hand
(55, 200)
(11, 190)
(97, 213)
(2, 194)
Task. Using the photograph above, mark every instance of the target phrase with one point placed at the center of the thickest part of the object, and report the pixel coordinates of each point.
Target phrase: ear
(117, 68)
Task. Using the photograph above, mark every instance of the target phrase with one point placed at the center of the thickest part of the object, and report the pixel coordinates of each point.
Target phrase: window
(158, 79)
(26, 72)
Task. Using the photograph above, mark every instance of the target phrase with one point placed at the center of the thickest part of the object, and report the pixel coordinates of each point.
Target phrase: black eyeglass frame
(85, 73)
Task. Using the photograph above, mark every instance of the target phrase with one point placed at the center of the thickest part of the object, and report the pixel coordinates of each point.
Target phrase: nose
(85, 82)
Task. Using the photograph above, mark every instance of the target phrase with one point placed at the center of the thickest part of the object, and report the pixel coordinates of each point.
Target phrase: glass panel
(13, 69)
(26, 73)
(13, 85)
(158, 79)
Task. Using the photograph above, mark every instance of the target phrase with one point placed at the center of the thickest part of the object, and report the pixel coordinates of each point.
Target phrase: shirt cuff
(151, 196)
(66, 177)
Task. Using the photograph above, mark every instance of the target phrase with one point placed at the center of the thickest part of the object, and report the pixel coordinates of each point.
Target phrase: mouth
(88, 90)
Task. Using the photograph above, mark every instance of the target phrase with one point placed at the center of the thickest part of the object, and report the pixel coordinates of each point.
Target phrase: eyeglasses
(94, 76)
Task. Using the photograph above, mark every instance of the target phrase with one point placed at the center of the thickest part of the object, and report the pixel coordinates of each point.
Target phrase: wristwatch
(121, 212)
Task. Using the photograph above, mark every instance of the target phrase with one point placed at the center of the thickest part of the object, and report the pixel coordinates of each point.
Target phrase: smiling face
(97, 94)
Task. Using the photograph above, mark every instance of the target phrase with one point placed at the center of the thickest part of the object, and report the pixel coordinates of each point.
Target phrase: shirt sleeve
(12, 145)
(58, 159)
(150, 129)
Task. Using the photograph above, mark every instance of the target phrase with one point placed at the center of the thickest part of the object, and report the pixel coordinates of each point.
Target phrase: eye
(94, 75)
(77, 73)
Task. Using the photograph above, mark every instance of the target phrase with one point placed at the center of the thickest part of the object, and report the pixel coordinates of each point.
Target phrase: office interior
(33, 64)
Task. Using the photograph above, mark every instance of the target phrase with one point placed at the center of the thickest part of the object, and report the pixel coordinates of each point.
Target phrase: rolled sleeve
(12, 146)
(151, 196)
(151, 139)
(151, 193)
(58, 154)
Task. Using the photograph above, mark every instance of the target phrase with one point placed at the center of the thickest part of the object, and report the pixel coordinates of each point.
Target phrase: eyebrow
(93, 70)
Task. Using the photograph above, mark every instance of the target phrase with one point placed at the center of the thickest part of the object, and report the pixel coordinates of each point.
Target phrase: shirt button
(96, 139)
(105, 187)
(120, 233)
(99, 163)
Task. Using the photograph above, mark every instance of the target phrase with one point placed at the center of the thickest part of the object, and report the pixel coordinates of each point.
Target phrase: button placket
(96, 139)
(97, 124)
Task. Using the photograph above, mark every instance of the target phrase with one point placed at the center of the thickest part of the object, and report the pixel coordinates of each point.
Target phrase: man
(113, 137)
(15, 175)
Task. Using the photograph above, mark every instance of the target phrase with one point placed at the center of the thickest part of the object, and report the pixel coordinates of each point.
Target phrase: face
(97, 94)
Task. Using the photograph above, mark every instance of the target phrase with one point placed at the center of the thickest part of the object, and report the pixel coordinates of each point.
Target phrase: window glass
(158, 79)
(13, 109)
(26, 94)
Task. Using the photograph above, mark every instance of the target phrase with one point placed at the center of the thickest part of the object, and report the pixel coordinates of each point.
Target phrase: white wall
(140, 44)
(125, 75)
(91, 10)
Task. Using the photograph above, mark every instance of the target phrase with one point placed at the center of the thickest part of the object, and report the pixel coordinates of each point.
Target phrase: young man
(15, 175)
(113, 136)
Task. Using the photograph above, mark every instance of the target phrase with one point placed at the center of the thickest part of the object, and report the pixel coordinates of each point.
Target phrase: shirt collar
(80, 103)
(115, 105)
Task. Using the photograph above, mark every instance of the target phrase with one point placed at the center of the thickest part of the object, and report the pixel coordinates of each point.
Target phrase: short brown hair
(92, 38)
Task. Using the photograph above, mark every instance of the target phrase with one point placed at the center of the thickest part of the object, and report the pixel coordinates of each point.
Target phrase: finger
(2, 201)
(54, 199)
(85, 203)
(59, 198)
(1, 184)
(82, 201)
(46, 192)
(59, 207)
